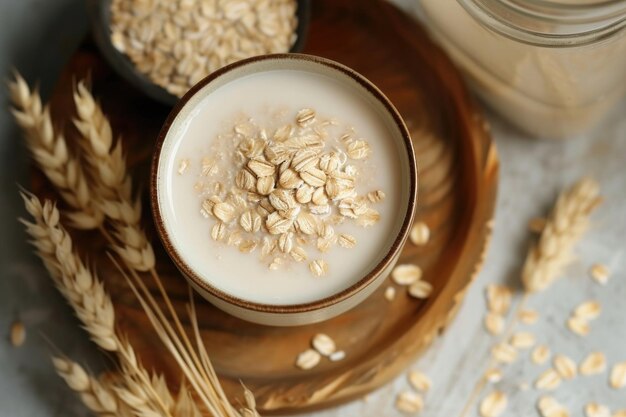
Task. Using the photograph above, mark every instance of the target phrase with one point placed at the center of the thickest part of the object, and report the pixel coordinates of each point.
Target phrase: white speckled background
(36, 36)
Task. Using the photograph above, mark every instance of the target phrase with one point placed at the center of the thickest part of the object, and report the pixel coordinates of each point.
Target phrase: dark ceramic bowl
(100, 14)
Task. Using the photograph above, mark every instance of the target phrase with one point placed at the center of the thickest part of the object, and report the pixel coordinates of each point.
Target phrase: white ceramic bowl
(325, 308)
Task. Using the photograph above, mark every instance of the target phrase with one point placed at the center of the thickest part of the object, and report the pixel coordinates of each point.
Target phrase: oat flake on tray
(177, 43)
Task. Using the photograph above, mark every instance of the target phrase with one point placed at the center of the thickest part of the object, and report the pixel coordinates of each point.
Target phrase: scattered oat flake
(209, 167)
(17, 334)
(548, 380)
(369, 218)
(578, 326)
(594, 363)
(522, 340)
(498, 298)
(308, 359)
(528, 316)
(358, 149)
(390, 293)
(420, 234)
(182, 166)
(376, 196)
(618, 375)
(409, 402)
(276, 263)
(540, 354)
(494, 323)
(600, 273)
(594, 409)
(419, 380)
(504, 353)
(318, 267)
(247, 246)
(224, 211)
(537, 224)
(565, 366)
(549, 407)
(305, 116)
(234, 239)
(346, 241)
(324, 344)
(493, 404)
(337, 356)
(420, 289)
(406, 274)
(493, 375)
(589, 310)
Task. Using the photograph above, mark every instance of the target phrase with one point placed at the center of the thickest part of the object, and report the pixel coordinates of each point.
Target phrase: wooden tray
(458, 178)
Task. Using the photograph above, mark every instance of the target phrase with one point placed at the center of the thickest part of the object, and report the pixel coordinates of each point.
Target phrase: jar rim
(550, 23)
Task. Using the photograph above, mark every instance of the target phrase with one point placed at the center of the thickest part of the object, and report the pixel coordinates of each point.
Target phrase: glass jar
(554, 68)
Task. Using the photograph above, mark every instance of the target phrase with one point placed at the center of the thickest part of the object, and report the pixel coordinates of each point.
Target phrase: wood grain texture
(458, 178)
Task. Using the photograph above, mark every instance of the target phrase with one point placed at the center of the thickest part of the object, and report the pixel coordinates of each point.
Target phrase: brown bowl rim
(331, 300)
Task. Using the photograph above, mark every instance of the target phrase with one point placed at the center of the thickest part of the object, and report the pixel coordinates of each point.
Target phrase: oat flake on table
(548, 380)
(565, 366)
(592, 364)
(493, 404)
(594, 409)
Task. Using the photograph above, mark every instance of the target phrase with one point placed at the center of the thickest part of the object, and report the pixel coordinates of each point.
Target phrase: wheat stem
(198, 377)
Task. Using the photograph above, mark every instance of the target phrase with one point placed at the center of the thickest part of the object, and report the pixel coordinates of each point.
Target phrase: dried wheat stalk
(91, 303)
(146, 396)
(567, 223)
(111, 183)
(102, 395)
(49, 149)
(131, 244)
(98, 396)
(193, 361)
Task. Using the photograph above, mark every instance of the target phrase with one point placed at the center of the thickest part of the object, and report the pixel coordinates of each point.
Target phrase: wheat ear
(91, 303)
(568, 221)
(113, 193)
(49, 149)
(101, 152)
(128, 240)
(101, 395)
(111, 183)
(98, 396)
(131, 244)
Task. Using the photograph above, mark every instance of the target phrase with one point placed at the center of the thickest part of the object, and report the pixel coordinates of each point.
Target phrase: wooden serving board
(458, 170)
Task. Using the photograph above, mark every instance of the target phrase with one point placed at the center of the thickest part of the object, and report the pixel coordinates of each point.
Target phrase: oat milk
(199, 161)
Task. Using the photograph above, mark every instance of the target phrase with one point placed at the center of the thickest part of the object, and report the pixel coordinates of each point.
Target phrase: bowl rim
(325, 302)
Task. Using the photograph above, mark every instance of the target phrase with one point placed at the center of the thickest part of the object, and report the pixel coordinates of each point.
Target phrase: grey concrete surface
(37, 36)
